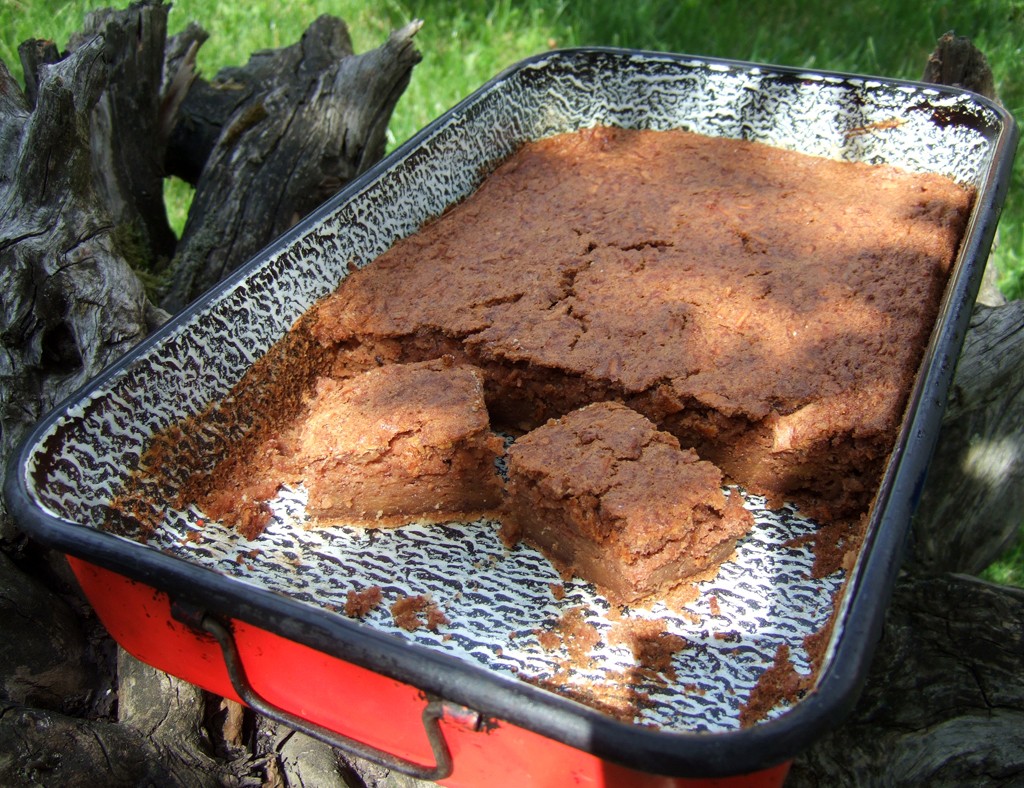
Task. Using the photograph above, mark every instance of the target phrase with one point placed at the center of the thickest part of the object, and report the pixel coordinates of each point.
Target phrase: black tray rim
(682, 754)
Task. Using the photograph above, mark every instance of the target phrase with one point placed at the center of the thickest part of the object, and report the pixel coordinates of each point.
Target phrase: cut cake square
(394, 444)
(608, 497)
(399, 442)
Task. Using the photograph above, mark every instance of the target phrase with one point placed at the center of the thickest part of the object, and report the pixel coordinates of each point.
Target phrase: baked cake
(766, 307)
(609, 498)
(397, 443)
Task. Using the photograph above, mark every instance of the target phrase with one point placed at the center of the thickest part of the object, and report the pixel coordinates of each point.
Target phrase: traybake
(194, 594)
(395, 444)
(613, 500)
(766, 307)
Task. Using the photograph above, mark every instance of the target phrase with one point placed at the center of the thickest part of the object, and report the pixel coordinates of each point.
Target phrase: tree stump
(944, 700)
(86, 146)
(69, 300)
(295, 124)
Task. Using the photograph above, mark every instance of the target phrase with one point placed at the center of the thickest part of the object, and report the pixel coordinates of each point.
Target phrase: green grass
(465, 43)
(1009, 569)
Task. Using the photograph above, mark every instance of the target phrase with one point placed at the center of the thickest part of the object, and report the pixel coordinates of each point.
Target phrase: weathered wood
(82, 153)
(973, 503)
(189, 137)
(39, 747)
(43, 649)
(944, 701)
(295, 135)
(299, 760)
(69, 301)
(34, 54)
(957, 62)
(169, 714)
(126, 143)
(210, 105)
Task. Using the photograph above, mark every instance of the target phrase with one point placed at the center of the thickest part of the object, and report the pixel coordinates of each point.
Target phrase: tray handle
(197, 618)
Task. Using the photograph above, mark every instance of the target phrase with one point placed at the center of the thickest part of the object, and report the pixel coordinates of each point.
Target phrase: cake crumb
(416, 612)
(617, 695)
(682, 595)
(193, 536)
(835, 546)
(816, 643)
(652, 645)
(779, 683)
(358, 604)
(572, 633)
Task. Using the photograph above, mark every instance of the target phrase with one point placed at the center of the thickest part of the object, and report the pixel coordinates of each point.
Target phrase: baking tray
(290, 584)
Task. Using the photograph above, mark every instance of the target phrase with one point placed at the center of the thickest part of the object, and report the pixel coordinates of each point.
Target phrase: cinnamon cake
(766, 307)
(608, 497)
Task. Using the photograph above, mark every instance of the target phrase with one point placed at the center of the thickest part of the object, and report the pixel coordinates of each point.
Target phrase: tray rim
(663, 752)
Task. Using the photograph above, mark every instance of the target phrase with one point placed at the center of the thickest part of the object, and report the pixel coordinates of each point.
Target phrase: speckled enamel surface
(497, 598)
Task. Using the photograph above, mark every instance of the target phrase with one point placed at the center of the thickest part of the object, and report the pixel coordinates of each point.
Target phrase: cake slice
(397, 443)
(609, 498)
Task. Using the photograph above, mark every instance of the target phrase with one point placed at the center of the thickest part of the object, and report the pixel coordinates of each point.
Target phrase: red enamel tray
(471, 704)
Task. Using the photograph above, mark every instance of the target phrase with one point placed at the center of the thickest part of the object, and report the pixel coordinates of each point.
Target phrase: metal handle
(199, 619)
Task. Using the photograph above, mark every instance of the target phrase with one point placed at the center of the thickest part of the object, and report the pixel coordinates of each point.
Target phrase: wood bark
(44, 647)
(170, 714)
(69, 300)
(944, 701)
(41, 747)
(292, 126)
(265, 143)
(84, 149)
(973, 504)
(128, 169)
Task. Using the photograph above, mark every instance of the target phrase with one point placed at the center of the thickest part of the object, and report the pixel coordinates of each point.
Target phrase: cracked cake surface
(610, 498)
(767, 307)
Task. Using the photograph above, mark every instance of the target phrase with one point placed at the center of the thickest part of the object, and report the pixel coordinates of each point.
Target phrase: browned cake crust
(766, 307)
(397, 443)
(610, 498)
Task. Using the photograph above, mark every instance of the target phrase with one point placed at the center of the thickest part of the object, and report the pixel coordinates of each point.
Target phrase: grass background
(466, 42)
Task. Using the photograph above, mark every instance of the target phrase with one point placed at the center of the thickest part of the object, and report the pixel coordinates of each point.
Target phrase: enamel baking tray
(263, 621)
